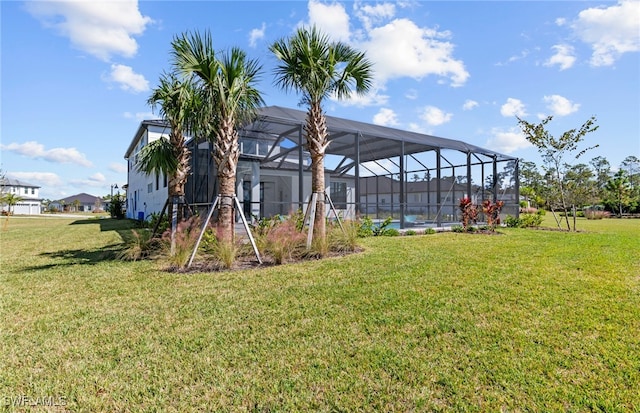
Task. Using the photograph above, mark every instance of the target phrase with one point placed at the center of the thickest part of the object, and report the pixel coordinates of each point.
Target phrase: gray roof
(374, 139)
(277, 121)
(16, 182)
(83, 197)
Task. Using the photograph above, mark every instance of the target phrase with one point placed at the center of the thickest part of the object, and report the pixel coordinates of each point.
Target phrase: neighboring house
(85, 203)
(31, 203)
(273, 173)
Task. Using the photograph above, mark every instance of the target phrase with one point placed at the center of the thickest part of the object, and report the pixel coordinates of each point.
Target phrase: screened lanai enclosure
(371, 170)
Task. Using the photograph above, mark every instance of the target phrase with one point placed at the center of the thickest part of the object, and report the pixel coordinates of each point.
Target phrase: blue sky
(76, 76)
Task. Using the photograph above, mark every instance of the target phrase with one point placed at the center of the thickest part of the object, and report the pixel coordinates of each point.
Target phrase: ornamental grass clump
(283, 239)
(345, 239)
(185, 241)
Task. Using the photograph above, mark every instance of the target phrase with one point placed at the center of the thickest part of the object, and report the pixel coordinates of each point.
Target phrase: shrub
(116, 206)
(530, 220)
(492, 212)
(383, 228)
(512, 222)
(163, 225)
(410, 232)
(366, 228)
(457, 228)
(596, 214)
(430, 231)
(469, 212)
(390, 232)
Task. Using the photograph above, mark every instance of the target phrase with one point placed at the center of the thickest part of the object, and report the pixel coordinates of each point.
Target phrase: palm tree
(230, 100)
(176, 99)
(317, 68)
(10, 200)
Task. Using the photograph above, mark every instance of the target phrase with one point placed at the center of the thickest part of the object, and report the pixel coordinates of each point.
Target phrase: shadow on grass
(109, 224)
(93, 256)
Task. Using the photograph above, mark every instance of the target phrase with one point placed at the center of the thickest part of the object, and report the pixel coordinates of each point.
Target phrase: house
(82, 202)
(30, 201)
(274, 177)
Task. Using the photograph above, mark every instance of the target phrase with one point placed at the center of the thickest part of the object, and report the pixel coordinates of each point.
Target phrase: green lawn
(523, 321)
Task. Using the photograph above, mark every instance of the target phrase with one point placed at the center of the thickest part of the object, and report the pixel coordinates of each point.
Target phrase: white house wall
(142, 199)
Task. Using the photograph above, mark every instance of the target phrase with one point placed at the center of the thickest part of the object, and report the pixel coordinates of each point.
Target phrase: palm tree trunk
(226, 157)
(178, 181)
(317, 143)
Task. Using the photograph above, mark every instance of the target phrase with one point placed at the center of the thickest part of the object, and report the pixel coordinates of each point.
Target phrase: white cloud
(560, 105)
(96, 180)
(385, 117)
(561, 21)
(127, 79)
(118, 167)
(469, 104)
(435, 116)
(35, 150)
(611, 31)
(397, 48)
(374, 14)
(140, 116)
(513, 107)
(411, 94)
(100, 28)
(256, 34)
(414, 127)
(564, 57)
(44, 179)
(402, 49)
(332, 19)
(373, 98)
(507, 141)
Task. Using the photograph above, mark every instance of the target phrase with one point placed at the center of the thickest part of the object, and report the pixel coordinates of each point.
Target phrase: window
(157, 181)
(33, 191)
(339, 194)
(150, 188)
(26, 190)
(164, 180)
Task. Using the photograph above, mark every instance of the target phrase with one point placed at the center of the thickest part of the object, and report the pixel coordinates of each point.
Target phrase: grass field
(523, 321)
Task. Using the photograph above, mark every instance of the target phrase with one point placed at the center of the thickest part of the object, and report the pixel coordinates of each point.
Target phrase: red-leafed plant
(492, 211)
(469, 212)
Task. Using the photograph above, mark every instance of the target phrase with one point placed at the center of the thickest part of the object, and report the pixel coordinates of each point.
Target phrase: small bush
(430, 231)
(366, 228)
(530, 220)
(116, 207)
(390, 232)
(153, 221)
(596, 214)
(492, 212)
(410, 232)
(512, 222)
(469, 212)
(457, 228)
